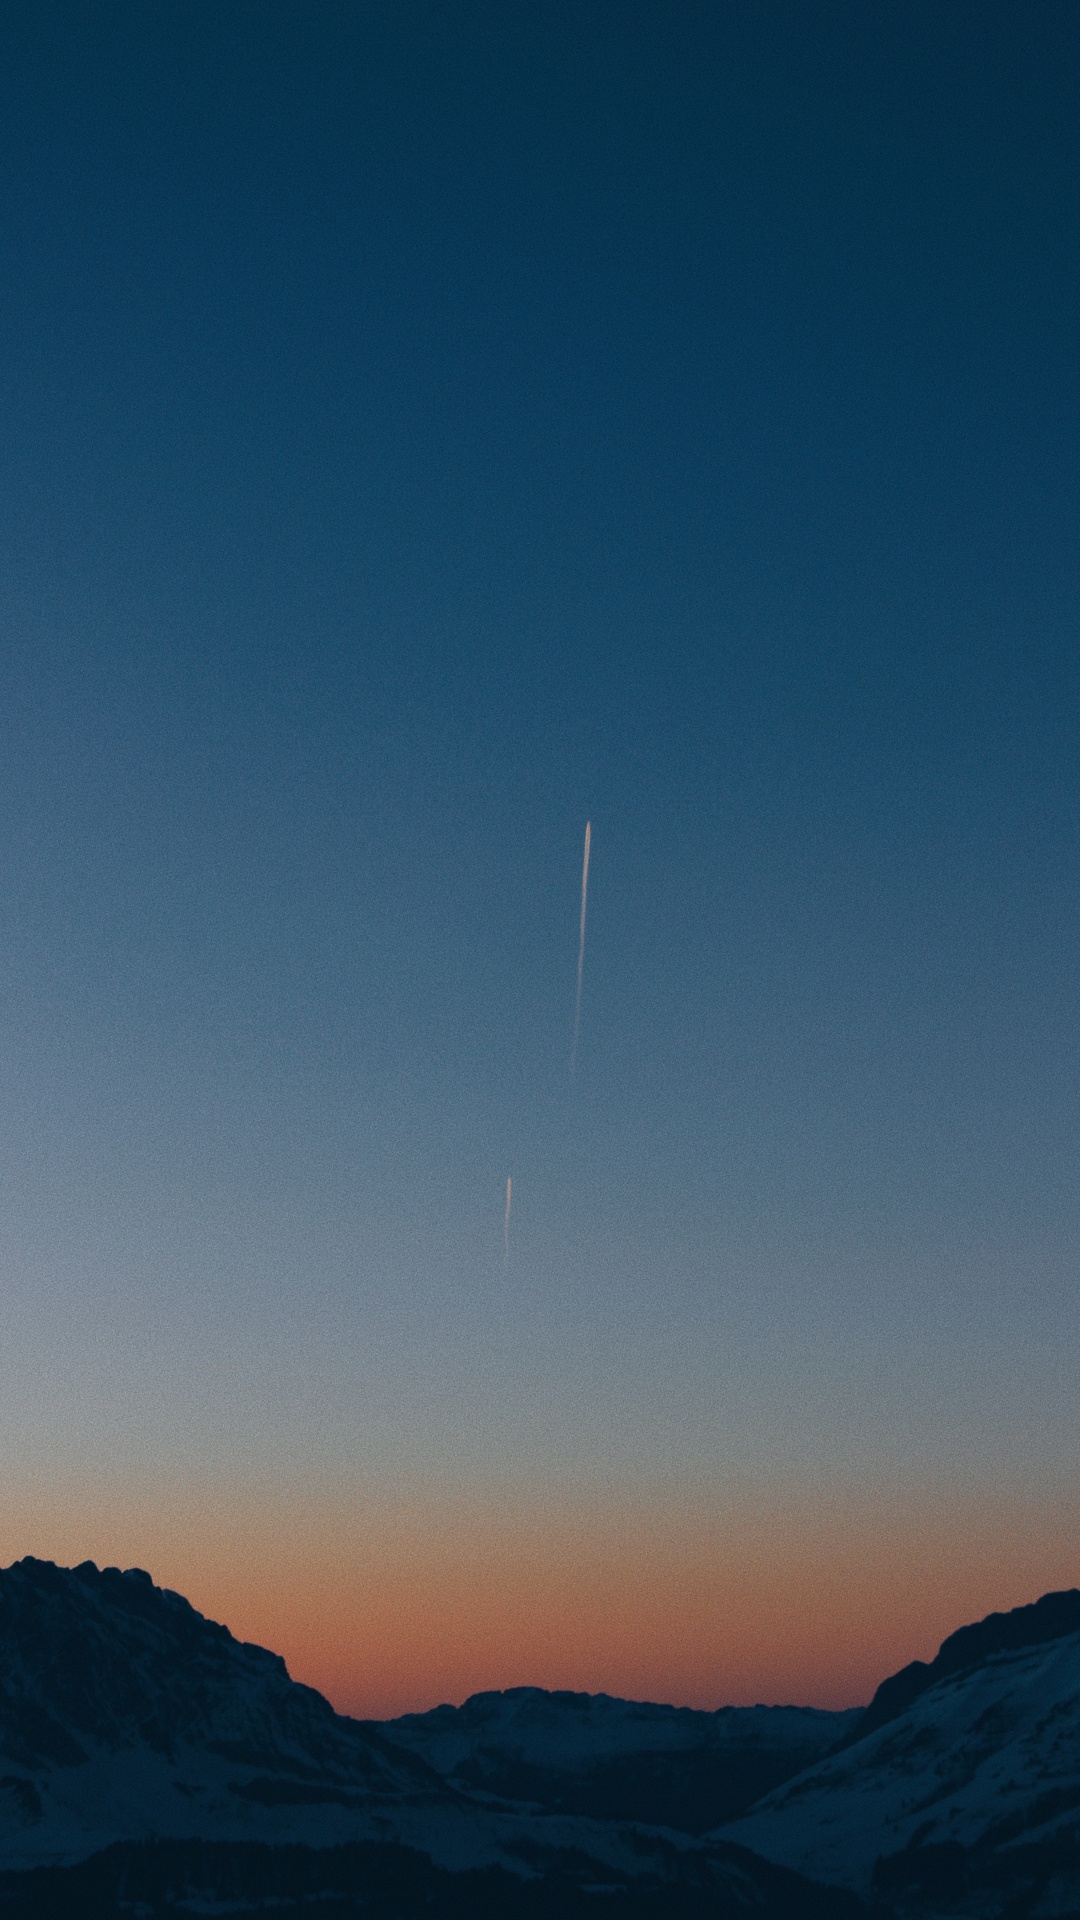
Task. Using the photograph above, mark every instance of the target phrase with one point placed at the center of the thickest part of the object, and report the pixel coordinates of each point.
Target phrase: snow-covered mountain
(150, 1763)
(145, 1743)
(619, 1759)
(960, 1790)
(124, 1714)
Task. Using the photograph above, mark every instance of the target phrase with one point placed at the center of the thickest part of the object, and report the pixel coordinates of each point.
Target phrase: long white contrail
(581, 946)
(506, 1221)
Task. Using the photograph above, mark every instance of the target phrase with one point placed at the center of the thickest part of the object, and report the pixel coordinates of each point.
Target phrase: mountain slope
(175, 1880)
(142, 1747)
(123, 1713)
(962, 1785)
(1051, 1618)
(619, 1759)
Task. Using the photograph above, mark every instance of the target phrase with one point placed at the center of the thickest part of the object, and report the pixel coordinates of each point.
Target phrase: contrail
(581, 946)
(506, 1222)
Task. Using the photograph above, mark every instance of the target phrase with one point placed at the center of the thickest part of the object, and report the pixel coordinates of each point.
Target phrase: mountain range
(151, 1764)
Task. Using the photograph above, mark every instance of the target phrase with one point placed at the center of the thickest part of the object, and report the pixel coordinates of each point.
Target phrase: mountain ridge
(1049, 1618)
(608, 1758)
(134, 1731)
(967, 1798)
(151, 1763)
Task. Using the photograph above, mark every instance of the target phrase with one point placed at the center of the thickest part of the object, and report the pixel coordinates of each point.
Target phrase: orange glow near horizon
(394, 1606)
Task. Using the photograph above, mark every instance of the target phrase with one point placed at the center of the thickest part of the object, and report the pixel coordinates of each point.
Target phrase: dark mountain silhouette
(619, 1759)
(151, 1764)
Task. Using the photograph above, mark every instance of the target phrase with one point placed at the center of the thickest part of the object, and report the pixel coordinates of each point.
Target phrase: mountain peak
(137, 1735)
(1051, 1618)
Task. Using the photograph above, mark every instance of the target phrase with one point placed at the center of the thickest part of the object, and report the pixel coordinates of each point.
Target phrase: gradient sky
(423, 429)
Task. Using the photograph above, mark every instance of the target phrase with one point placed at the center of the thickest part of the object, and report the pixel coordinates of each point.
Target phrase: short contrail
(506, 1221)
(581, 946)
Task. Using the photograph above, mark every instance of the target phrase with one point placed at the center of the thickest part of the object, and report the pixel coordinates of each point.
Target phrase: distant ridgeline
(150, 1763)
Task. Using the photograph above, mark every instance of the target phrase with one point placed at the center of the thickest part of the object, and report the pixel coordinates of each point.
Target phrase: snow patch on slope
(983, 1757)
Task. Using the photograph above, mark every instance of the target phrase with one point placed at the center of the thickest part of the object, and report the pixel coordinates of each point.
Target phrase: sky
(423, 431)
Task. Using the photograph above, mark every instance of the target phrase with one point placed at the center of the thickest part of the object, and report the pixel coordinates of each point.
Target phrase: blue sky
(425, 431)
